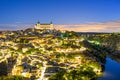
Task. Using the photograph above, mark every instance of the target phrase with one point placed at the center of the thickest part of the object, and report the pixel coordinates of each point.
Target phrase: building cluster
(40, 52)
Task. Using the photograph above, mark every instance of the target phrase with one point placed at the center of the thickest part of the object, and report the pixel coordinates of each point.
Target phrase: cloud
(112, 26)
(15, 26)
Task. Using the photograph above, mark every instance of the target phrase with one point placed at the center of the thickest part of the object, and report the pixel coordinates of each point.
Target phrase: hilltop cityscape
(44, 53)
(74, 40)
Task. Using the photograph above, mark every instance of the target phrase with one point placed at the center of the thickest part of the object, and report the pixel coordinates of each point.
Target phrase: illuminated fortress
(44, 26)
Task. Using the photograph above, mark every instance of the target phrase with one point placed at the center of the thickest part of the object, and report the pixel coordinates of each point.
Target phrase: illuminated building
(44, 26)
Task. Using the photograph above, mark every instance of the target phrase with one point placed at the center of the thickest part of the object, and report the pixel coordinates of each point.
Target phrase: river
(112, 70)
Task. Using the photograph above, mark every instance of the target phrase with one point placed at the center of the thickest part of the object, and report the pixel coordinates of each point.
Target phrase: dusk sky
(60, 12)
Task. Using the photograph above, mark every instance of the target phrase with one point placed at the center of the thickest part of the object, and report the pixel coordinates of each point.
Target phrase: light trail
(43, 71)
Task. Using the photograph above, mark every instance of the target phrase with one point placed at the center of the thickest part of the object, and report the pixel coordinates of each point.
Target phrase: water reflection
(112, 70)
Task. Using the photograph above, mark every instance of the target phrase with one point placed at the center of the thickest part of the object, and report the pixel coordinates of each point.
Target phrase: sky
(82, 12)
